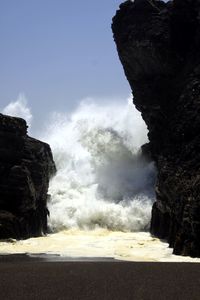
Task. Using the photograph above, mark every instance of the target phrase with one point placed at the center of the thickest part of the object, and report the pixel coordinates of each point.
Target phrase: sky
(57, 52)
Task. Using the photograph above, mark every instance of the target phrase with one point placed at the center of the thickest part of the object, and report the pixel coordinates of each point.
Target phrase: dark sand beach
(40, 278)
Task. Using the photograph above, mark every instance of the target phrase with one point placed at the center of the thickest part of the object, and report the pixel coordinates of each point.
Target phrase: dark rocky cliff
(26, 165)
(159, 46)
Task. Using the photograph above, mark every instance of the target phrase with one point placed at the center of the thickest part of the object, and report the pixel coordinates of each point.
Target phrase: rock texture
(26, 165)
(159, 46)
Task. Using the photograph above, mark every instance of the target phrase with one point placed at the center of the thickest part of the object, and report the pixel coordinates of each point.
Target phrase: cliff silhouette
(159, 44)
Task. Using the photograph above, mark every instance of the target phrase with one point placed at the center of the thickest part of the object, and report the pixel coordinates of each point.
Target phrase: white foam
(102, 180)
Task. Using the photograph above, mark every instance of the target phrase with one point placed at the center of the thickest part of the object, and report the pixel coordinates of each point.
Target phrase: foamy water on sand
(100, 243)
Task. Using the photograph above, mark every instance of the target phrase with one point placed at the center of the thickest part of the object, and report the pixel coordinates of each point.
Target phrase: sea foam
(102, 180)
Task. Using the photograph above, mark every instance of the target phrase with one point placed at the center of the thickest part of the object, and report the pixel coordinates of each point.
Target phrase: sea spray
(19, 108)
(102, 179)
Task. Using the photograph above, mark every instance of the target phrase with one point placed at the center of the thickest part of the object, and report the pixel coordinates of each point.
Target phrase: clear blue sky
(58, 52)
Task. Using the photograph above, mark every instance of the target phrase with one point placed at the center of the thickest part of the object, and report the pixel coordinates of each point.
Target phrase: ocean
(102, 194)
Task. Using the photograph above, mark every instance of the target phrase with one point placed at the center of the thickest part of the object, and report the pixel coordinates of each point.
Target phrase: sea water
(103, 191)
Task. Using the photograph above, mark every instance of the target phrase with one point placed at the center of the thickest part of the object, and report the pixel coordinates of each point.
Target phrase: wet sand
(55, 278)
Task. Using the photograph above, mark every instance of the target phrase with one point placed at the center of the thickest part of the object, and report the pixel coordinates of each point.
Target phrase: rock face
(159, 46)
(26, 165)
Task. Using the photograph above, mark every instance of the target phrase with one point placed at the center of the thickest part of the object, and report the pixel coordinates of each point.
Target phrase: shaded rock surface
(159, 45)
(26, 166)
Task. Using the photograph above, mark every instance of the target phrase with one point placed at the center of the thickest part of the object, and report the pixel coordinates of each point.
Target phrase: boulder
(26, 165)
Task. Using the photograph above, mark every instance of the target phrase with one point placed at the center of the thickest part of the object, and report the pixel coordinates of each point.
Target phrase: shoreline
(52, 258)
(99, 245)
(45, 257)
